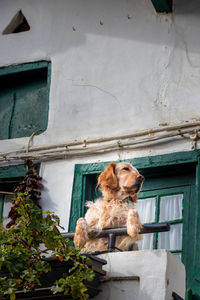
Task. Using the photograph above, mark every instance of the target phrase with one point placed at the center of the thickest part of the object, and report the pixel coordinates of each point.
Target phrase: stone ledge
(160, 273)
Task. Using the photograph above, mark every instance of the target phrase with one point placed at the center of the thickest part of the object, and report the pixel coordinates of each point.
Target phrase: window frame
(149, 164)
(142, 163)
(31, 66)
(168, 190)
(14, 171)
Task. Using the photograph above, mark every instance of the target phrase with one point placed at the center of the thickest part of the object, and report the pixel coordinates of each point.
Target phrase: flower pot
(59, 269)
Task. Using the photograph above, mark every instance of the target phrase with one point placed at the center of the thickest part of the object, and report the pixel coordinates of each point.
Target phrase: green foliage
(23, 257)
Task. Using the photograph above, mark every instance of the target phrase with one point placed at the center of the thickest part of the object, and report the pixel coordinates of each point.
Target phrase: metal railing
(111, 233)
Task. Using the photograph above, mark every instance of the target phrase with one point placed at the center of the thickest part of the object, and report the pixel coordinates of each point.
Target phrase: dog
(120, 184)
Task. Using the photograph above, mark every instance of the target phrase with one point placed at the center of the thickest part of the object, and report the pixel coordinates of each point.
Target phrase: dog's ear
(108, 179)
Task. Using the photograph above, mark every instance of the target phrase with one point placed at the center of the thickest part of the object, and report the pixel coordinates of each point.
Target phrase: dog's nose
(140, 179)
(138, 182)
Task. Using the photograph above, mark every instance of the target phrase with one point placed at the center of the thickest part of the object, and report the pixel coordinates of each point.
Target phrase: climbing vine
(23, 260)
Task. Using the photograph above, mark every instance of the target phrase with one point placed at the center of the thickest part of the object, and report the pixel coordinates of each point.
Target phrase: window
(5, 206)
(171, 192)
(168, 195)
(9, 178)
(159, 206)
(24, 95)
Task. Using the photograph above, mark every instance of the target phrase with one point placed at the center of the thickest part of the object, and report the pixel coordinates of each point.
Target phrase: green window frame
(24, 99)
(10, 176)
(158, 195)
(173, 163)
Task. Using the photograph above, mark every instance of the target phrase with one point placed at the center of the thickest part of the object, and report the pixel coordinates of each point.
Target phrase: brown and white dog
(120, 184)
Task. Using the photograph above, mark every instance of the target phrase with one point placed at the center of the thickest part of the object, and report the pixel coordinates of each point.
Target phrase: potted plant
(34, 254)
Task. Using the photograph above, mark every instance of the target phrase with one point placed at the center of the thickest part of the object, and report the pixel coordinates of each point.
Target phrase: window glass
(171, 207)
(146, 243)
(146, 210)
(171, 240)
(6, 208)
(160, 208)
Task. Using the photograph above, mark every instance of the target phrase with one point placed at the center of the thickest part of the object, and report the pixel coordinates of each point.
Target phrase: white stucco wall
(157, 283)
(123, 75)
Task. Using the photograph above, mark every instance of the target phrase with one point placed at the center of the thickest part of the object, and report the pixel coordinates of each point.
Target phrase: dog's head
(120, 180)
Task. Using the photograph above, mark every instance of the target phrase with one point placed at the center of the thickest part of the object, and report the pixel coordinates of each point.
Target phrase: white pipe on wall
(139, 139)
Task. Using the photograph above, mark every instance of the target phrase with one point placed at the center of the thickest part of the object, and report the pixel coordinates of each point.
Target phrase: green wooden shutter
(23, 102)
(6, 104)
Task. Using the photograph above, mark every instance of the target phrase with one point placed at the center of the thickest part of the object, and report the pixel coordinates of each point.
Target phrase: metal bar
(111, 242)
(7, 193)
(68, 235)
(148, 228)
(120, 278)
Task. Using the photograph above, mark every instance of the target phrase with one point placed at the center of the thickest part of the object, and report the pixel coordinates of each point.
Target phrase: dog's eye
(126, 169)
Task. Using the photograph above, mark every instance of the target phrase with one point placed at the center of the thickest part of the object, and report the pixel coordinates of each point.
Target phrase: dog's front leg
(134, 225)
(81, 233)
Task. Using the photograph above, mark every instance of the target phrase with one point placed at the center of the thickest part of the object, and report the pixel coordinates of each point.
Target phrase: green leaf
(12, 297)
(21, 254)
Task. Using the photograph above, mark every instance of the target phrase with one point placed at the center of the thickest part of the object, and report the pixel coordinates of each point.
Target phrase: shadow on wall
(185, 7)
(46, 199)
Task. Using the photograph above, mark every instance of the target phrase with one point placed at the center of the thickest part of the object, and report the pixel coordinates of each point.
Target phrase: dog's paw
(133, 223)
(82, 223)
(81, 233)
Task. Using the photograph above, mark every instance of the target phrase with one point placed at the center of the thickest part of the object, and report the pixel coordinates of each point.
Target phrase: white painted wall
(157, 283)
(126, 75)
